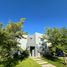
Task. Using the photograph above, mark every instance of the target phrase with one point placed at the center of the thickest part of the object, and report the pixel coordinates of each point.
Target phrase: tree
(16, 27)
(58, 39)
(8, 44)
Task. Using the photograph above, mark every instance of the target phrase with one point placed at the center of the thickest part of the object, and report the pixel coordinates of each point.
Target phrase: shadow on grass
(13, 61)
(54, 59)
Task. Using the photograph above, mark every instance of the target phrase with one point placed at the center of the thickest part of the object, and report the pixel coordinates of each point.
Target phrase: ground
(28, 63)
(57, 63)
(43, 62)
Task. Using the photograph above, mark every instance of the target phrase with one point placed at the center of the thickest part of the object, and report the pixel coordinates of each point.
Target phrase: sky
(39, 14)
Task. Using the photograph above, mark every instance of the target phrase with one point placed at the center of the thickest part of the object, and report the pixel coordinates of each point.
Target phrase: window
(46, 46)
(42, 39)
(30, 38)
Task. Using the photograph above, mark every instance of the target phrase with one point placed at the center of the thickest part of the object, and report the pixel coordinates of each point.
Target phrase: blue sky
(39, 14)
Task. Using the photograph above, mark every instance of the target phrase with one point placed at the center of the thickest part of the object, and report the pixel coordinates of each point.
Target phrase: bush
(15, 58)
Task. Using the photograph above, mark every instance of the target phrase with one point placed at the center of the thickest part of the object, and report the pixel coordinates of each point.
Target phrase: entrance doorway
(32, 50)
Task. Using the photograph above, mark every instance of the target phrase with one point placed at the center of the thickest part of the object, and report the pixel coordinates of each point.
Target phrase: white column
(32, 53)
(36, 52)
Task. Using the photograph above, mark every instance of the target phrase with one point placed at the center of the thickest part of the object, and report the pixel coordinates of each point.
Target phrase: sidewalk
(43, 63)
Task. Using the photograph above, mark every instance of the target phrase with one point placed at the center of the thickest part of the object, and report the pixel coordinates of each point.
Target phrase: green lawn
(57, 63)
(28, 63)
(1, 65)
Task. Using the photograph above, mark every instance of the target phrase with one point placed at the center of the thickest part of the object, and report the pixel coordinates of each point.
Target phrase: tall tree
(8, 43)
(16, 27)
(57, 38)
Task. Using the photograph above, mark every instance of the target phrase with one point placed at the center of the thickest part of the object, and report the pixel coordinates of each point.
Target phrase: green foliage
(1, 25)
(57, 38)
(16, 27)
(8, 44)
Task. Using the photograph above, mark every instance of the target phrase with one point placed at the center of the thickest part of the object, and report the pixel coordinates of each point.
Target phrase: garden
(11, 55)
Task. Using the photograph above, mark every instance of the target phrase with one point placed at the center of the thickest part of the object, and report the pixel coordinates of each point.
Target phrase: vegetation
(58, 39)
(10, 52)
(56, 62)
(28, 63)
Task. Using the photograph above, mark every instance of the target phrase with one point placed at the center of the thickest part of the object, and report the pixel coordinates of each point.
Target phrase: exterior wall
(38, 37)
(23, 42)
(32, 41)
(35, 41)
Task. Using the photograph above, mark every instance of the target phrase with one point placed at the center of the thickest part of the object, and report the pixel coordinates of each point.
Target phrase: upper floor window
(30, 37)
(42, 39)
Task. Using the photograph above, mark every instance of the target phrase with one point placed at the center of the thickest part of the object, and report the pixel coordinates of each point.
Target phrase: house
(32, 43)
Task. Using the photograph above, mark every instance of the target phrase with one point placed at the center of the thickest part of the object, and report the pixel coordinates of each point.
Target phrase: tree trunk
(65, 59)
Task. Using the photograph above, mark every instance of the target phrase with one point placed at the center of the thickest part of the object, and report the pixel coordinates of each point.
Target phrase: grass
(56, 62)
(1, 65)
(28, 63)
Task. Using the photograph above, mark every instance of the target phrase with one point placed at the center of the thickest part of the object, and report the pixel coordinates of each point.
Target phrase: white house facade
(32, 43)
